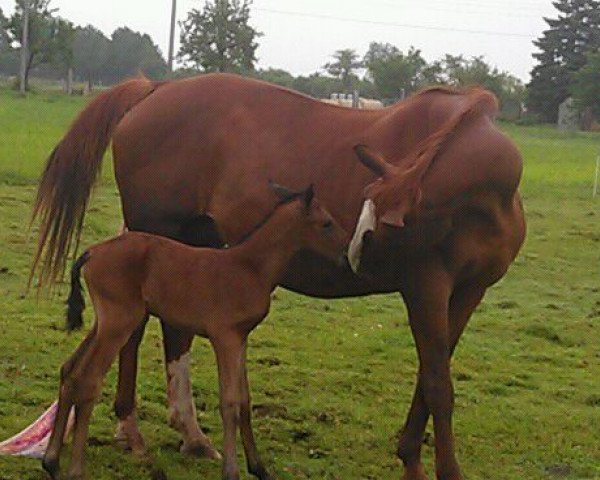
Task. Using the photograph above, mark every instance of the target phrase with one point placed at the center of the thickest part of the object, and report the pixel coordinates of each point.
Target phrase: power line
(393, 24)
(480, 13)
(532, 7)
(465, 8)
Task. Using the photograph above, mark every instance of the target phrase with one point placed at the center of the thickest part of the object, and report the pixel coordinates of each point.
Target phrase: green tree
(586, 85)
(4, 37)
(91, 51)
(219, 38)
(42, 31)
(317, 85)
(462, 72)
(394, 73)
(61, 47)
(345, 64)
(131, 53)
(9, 60)
(277, 76)
(563, 50)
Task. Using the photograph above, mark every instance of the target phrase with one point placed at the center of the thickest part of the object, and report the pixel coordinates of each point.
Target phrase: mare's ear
(308, 195)
(374, 162)
(282, 192)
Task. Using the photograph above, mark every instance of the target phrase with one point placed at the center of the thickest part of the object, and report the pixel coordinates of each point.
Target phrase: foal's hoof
(52, 467)
(415, 472)
(260, 472)
(200, 449)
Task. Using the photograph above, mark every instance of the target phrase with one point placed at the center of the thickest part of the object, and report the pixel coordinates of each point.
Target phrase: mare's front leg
(229, 349)
(463, 302)
(427, 299)
(255, 465)
(182, 410)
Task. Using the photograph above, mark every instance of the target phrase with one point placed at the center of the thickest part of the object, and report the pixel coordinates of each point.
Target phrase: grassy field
(332, 380)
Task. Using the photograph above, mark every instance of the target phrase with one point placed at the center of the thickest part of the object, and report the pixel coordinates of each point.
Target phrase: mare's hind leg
(182, 410)
(463, 302)
(200, 231)
(127, 433)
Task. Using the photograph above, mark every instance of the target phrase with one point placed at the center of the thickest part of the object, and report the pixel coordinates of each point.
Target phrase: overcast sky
(299, 36)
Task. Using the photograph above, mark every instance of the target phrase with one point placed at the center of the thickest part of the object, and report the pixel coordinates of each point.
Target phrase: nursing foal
(219, 294)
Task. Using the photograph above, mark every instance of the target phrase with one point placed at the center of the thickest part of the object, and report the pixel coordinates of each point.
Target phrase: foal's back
(197, 289)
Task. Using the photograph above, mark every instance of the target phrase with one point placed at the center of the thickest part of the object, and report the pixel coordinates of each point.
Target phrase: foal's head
(317, 230)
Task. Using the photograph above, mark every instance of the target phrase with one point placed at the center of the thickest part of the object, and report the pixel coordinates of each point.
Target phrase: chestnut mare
(219, 294)
(441, 216)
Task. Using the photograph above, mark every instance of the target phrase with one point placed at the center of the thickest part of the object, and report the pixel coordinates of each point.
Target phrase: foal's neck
(270, 249)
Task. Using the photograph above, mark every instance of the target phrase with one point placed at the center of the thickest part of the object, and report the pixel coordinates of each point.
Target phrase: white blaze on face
(366, 223)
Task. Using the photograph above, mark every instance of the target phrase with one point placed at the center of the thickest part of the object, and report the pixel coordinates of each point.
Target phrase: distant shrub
(528, 119)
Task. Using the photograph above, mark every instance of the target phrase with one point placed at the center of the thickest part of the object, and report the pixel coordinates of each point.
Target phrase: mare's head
(395, 192)
(388, 200)
(317, 230)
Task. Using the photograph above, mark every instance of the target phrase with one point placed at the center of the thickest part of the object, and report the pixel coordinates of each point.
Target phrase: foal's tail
(75, 302)
(71, 171)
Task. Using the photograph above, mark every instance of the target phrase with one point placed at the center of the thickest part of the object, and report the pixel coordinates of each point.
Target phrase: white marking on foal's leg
(366, 223)
(182, 411)
(129, 435)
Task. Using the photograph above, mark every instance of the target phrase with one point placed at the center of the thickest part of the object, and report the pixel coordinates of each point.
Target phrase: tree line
(219, 37)
(57, 47)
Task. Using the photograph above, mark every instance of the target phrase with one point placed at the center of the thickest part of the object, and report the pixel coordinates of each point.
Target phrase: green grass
(332, 380)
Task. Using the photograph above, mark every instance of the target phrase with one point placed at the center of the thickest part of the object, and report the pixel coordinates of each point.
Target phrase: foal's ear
(308, 195)
(282, 192)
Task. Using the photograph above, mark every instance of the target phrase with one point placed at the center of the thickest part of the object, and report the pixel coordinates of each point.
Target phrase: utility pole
(172, 37)
(24, 46)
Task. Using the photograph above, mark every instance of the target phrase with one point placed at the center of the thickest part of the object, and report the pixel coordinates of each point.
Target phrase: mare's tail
(71, 171)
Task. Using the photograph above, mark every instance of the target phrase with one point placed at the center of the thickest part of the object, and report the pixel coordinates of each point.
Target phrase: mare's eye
(328, 226)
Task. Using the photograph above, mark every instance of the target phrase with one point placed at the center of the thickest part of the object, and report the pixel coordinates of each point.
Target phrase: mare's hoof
(201, 450)
(52, 467)
(131, 440)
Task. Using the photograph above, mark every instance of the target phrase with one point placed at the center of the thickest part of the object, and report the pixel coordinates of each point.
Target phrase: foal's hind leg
(116, 326)
(65, 402)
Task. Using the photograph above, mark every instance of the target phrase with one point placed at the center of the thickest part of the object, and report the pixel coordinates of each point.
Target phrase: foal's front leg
(229, 349)
(255, 465)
